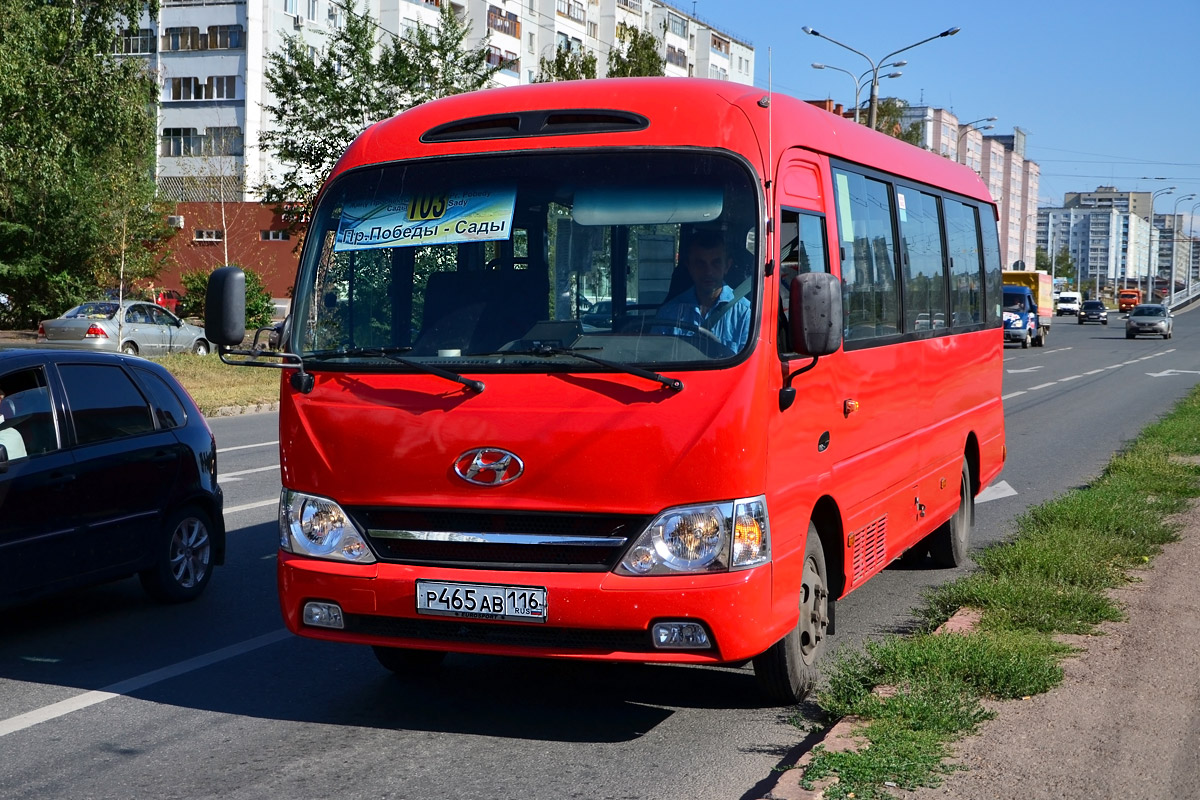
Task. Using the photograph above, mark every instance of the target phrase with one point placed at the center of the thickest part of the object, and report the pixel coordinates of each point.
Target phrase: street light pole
(1175, 241)
(872, 113)
(858, 78)
(1151, 261)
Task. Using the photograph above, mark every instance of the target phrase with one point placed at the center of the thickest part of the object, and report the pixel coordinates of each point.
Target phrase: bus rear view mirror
(225, 307)
(815, 308)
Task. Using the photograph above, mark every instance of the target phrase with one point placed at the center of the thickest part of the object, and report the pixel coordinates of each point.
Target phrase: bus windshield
(515, 262)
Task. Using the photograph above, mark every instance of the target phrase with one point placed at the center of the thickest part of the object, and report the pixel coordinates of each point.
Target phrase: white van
(1068, 303)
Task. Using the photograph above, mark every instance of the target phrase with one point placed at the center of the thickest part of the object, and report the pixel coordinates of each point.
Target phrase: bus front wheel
(787, 671)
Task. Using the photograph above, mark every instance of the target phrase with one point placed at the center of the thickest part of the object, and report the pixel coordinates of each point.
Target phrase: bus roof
(681, 112)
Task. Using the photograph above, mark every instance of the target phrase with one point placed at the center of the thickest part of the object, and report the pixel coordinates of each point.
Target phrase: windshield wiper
(545, 350)
(392, 354)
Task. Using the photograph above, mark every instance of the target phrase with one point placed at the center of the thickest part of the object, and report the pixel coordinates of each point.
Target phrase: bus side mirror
(815, 313)
(225, 307)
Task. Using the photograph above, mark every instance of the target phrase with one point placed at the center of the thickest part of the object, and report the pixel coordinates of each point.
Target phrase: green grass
(214, 384)
(1052, 577)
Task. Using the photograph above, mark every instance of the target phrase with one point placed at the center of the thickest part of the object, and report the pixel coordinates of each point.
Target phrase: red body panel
(615, 443)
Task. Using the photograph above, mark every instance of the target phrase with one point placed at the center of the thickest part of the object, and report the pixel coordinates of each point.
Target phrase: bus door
(876, 437)
(798, 459)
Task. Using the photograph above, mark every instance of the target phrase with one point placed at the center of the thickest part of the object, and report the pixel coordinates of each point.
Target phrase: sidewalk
(1125, 722)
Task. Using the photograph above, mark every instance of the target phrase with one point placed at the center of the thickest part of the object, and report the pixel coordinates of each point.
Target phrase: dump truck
(1028, 306)
(1128, 298)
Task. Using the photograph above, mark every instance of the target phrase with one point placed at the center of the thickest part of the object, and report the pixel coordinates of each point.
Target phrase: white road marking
(246, 446)
(236, 476)
(248, 506)
(1042, 386)
(995, 492)
(64, 707)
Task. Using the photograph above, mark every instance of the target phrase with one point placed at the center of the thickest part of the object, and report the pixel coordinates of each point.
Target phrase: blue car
(107, 470)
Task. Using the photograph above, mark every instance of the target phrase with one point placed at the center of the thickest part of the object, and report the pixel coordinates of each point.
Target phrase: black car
(107, 470)
(1093, 311)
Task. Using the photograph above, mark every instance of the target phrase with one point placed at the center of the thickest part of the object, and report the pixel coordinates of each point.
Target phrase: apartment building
(1111, 246)
(1000, 161)
(1171, 252)
(211, 55)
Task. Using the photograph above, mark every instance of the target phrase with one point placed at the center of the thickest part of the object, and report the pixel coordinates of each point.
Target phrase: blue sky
(1105, 91)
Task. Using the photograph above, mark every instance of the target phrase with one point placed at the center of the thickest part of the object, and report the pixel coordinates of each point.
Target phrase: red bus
(639, 370)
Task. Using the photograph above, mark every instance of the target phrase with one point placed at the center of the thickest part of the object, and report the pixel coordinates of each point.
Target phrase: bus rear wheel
(787, 671)
(948, 544)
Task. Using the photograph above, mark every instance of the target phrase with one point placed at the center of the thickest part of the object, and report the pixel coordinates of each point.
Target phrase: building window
(571, 9)
(677, 25)
(720, 45)
(223, 142)
(208, 235)
(720, 73)
(275, 236)
(633, 5)
(183, 88)
(181, 39)
(504, 22)
(289, 6)
(593, 30)
(312, 9)
(136, 41)
(225, 37)
(676, 56)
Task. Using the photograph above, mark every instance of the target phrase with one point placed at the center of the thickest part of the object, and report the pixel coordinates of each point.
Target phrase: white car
(1068, 303)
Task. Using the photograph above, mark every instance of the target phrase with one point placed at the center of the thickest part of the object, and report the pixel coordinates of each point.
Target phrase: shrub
(259, 307)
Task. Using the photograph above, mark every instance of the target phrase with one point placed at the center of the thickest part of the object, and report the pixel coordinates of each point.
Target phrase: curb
(844, 734)
(233, 411)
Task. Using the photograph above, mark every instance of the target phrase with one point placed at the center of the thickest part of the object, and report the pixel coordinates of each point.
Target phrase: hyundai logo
(488, 466)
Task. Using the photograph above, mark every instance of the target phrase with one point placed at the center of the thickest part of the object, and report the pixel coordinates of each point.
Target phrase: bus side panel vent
(869, 546)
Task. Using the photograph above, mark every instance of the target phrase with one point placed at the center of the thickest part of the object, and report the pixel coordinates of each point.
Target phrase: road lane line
(248, 506)
(1042, 386)
(246, 446)
(225, 475)
(1012, 394)
(995, 492)
(64, 707)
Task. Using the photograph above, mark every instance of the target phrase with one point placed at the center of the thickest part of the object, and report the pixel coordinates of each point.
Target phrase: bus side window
(870, 297)
(802, 248)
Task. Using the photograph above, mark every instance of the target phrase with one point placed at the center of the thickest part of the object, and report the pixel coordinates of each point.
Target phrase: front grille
(577, 639)
(527, 540)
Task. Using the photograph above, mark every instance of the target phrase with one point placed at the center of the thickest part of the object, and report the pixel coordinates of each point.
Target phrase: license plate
(482, 601)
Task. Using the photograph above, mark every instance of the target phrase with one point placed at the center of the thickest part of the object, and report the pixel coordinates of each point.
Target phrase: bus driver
(706, 304)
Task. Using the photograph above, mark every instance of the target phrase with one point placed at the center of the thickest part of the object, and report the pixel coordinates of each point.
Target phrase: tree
(323, 100)
(889, 120)
(636, 55)
(77, 137)
(567, 65)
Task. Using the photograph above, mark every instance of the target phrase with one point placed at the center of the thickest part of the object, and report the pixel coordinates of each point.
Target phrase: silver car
(1151, 318)
(139, 329)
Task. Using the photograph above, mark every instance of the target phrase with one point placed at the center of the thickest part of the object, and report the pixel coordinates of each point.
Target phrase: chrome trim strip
(484, 537)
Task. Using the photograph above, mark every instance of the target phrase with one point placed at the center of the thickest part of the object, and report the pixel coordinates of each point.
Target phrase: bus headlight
(317, 527)
(712, 537)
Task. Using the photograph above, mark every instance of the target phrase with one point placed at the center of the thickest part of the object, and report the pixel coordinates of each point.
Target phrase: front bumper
(590, 615)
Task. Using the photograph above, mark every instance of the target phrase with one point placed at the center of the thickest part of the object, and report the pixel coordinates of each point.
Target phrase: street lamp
(1151, 261)
(874, 108)
(1174, 243)
(964, 129)
(858, 78)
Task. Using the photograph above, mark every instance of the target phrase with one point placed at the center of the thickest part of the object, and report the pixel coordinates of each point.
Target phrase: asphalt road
(105, 695)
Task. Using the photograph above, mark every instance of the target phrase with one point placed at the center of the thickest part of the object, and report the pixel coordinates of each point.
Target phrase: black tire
(200, 348)
(1080, 322)
(404, 661)
(129, 349)
(1130, 335)
(787, 671)
(1025, 339)
(948, 544)
(182, 559)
